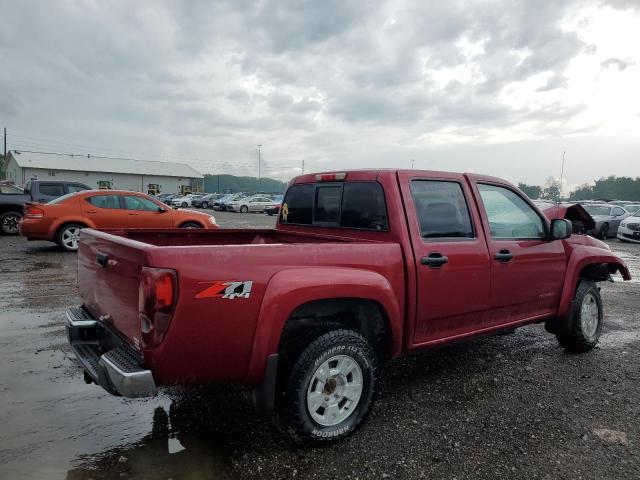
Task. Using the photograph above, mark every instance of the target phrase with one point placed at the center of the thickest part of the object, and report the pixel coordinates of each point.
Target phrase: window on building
(52, 173)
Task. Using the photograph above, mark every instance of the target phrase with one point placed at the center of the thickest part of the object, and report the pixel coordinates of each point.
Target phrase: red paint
(212, 338)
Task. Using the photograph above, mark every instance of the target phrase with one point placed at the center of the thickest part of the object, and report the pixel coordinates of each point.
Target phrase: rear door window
(442, 209)
(51, 189)
(105, 201)
(363, 206)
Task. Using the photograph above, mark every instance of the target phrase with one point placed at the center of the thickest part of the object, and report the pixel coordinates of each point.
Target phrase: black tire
(244, 209)
(293, 414)
(576, 334)
(205, 204)
(64, 240)
(9, 222)
(184, 204)
(190, 225)
(604, 231)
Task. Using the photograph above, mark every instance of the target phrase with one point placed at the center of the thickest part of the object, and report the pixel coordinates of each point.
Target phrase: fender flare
(579, 259)
(289, 289)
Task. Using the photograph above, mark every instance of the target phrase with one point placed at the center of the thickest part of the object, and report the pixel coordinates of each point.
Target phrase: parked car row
(607, 219)
(233, 202)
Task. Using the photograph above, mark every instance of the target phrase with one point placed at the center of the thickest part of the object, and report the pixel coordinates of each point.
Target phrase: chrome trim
(129, 384)
(79, 323)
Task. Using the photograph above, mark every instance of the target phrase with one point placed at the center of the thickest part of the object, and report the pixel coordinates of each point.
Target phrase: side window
(139, 203)
(327, 208)
(441, 208)
(105, 201)
(298, 206)
(52, 189)
(363, 206)
(75, 188)
(509, 215)
(618, 211)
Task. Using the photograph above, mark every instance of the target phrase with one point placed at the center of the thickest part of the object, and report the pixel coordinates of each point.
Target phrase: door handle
(434, 260)
(503, 255)
(91, 211)
(134, 214)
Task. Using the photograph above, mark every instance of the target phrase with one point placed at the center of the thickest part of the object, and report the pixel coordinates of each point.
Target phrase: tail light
(34, 212)
(156, 302)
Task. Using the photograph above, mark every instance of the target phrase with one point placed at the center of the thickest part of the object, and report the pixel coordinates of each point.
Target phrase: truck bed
(211, 334)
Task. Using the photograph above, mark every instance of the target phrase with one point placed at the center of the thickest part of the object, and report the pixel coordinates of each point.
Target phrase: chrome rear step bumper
(106, 359)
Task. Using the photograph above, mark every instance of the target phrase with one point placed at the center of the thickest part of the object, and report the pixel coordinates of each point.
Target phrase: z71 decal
(226, 289)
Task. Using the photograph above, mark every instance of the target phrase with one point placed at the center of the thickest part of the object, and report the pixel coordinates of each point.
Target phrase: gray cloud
(208, 80)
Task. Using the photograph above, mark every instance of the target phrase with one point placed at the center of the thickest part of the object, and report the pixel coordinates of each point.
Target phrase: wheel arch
(297, 298)
(584, 264)
(59, 225)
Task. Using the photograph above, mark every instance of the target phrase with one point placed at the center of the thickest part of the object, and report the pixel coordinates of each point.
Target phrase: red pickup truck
(362, 267)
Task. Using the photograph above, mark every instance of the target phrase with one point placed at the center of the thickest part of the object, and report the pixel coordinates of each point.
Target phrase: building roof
(90, 163)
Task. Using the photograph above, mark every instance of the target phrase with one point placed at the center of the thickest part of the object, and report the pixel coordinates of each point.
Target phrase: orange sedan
(61, 220)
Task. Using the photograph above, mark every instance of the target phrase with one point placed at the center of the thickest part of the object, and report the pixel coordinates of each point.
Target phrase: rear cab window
(353, 205)
(51, 189)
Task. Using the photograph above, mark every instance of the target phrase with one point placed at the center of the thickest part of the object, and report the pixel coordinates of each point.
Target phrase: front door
(527, 270)
(451, 256)
(142, 212)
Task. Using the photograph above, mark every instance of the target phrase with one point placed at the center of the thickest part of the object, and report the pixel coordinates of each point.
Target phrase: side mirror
(161, 210)
(560, 229)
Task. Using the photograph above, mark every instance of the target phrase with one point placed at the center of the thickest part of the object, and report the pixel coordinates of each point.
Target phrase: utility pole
(412, 161)
(303, 166)
(218, 189)
(4, 158)
(259, 147)
(5, 143)
(562, 172)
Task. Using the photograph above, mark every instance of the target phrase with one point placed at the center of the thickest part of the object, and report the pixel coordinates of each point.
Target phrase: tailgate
(109, 269)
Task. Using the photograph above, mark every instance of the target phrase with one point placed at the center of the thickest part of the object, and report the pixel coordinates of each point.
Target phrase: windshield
(598, 209)
(62, 198)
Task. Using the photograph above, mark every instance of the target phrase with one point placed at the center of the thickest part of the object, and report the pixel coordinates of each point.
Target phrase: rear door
(527, 270)
(104, 210)
(451, 256)
(144, 213)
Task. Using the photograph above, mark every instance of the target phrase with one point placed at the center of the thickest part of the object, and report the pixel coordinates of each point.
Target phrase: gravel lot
(509, 406)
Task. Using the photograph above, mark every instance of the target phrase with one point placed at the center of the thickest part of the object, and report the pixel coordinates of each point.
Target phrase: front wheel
(244, 209)
(190, 225)
(604, 231)
(9, 222)
(205, 205)
(69, 237)
(184, 204)
(329, 388)
(581, 330)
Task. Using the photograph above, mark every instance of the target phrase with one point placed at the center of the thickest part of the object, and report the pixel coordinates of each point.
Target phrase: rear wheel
(184, 204)
(190, 225)
(244, 209)
(9, 222)
(69, 237)
(581, 330)
(205, 204)
(328, 390)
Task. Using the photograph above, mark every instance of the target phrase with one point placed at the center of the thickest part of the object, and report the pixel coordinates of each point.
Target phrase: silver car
(607, 218)
(257, 203)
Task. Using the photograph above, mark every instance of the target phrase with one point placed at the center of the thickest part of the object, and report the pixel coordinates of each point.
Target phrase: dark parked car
(205, 201)
(12, 199)
(607, 218)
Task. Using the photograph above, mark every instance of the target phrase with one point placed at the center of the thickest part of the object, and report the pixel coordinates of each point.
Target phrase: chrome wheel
(70, 237)
(10, 223)
(334, 390)
(589, 315)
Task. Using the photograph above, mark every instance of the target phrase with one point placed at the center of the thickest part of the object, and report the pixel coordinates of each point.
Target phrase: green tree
(224, 183)
(612, 187)
(551, 190)
(532, 191)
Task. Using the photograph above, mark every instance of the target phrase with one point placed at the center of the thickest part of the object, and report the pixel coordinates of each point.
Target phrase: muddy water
(490, 407)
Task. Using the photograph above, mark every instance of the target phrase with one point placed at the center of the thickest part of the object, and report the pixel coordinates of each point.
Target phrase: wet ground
(498, 407)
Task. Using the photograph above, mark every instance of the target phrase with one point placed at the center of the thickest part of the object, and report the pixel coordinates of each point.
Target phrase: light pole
(259, 147)
(562, 173)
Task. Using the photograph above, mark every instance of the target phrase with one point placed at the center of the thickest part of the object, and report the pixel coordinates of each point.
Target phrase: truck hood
(572, 212)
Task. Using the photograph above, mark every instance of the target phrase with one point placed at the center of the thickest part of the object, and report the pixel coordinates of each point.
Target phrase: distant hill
(224, 183)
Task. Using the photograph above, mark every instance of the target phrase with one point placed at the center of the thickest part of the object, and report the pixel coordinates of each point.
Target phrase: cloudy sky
(498, 87)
